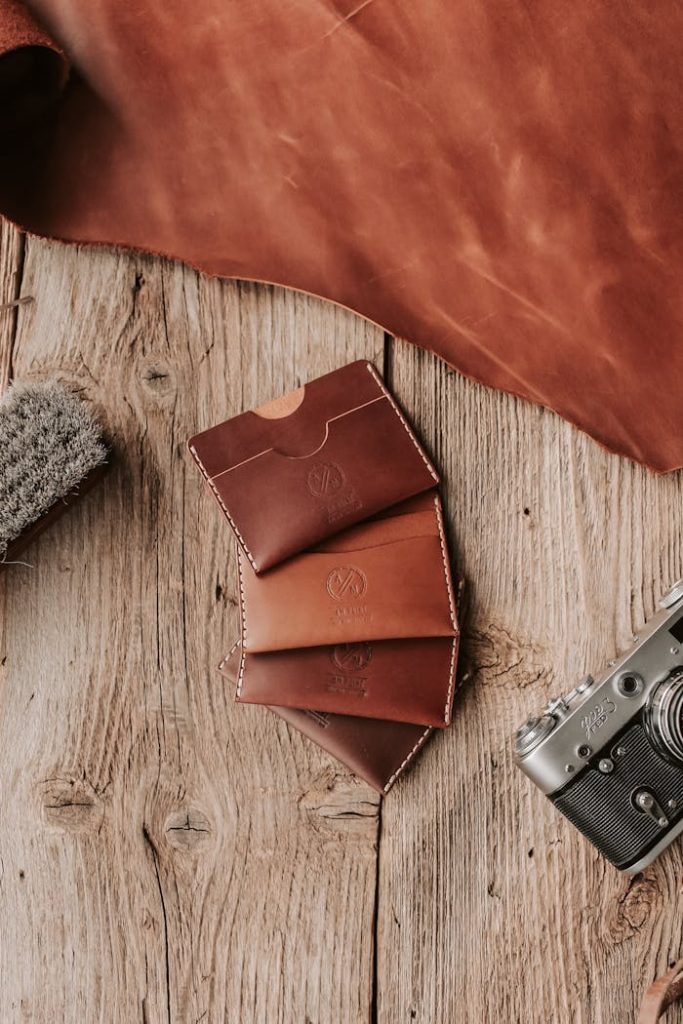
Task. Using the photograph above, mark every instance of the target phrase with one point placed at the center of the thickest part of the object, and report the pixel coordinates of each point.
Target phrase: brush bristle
(49, 443)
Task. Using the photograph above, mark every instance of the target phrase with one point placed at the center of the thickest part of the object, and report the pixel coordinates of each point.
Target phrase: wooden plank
(166, 856)
(11, 296)
(491, 906)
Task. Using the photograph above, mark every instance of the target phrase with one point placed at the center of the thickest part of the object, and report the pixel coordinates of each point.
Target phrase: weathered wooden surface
(169, 857)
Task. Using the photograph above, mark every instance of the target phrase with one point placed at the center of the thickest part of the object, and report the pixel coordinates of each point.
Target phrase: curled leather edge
(661, 994)
(33, 67)
(19, 28)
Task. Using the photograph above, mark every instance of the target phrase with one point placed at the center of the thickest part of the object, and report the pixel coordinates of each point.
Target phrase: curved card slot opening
(309, 452)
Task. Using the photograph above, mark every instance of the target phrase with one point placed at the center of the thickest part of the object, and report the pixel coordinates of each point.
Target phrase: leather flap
(392, 589)
(296, 434)
(344, 453)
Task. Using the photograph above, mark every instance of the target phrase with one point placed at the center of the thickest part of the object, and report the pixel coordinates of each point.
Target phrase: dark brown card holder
(377, 751)
(315, 462)
(400, 680)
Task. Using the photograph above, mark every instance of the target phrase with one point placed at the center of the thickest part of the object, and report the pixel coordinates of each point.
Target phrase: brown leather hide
(498, 181)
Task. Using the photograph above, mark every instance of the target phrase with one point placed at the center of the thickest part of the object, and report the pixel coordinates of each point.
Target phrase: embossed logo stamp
(353, 686)
(351, 657)
(325, 479)
(346, 583)
(349, 660)
(597, 716)
(327, 482)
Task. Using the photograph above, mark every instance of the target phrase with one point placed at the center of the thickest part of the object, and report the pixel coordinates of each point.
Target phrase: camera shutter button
(577, 692)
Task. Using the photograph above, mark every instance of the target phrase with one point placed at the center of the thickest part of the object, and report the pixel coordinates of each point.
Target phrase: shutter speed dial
(533, 732)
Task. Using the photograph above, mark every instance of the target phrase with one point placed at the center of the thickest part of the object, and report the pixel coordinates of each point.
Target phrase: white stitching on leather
(451, 681)
(222, 504)
(405, 760)
(401, 417)
(243, 624)
(449, 585)
(227, 657)
(451, 602)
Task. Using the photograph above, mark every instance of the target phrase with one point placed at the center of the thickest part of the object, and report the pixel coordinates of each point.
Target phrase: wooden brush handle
(18, 546)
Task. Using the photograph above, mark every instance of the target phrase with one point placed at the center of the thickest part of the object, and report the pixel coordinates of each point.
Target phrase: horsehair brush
(51, 452)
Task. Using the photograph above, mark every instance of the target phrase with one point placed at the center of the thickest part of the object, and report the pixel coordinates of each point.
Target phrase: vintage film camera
(609, 754)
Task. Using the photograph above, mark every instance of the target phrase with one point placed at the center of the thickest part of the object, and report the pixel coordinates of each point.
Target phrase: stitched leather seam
(406, 759)
(227, 657)
(451, 680)
(222, 504)
(411, 435)
(442, 539)
(451, 604)
(243, 624)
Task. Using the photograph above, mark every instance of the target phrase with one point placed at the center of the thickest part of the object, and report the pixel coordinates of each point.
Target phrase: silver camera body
(609, 754)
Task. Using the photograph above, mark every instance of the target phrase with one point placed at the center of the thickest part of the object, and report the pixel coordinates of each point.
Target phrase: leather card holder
(401, 680)
(377, 751)
(312, 463)
(385, 579)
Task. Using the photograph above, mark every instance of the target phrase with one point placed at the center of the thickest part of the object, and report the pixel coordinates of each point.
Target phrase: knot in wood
(72, 805)
(630, 911)
(159, 379)
(188, 830)
(340, 803)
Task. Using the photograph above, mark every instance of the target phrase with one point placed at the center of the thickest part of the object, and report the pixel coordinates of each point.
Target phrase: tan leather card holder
(300, 469)
(382, 580)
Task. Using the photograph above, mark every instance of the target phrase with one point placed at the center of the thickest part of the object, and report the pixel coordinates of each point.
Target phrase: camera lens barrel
(665, 716)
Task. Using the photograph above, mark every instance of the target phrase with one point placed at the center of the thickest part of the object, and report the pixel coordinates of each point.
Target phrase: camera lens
(664, 716)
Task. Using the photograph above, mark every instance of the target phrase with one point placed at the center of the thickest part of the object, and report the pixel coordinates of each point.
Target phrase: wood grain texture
(491, 906)
(11, 260)
(166, 855)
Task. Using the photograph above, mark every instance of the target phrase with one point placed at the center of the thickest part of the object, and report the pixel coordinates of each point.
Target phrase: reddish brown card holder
(377, 751)
(401, 680)
(298, 470)
(385, 579)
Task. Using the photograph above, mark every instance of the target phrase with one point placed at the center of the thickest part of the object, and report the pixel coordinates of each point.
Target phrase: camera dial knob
(533, 732)
(558, 706)
(669, 599)
(579, 690)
